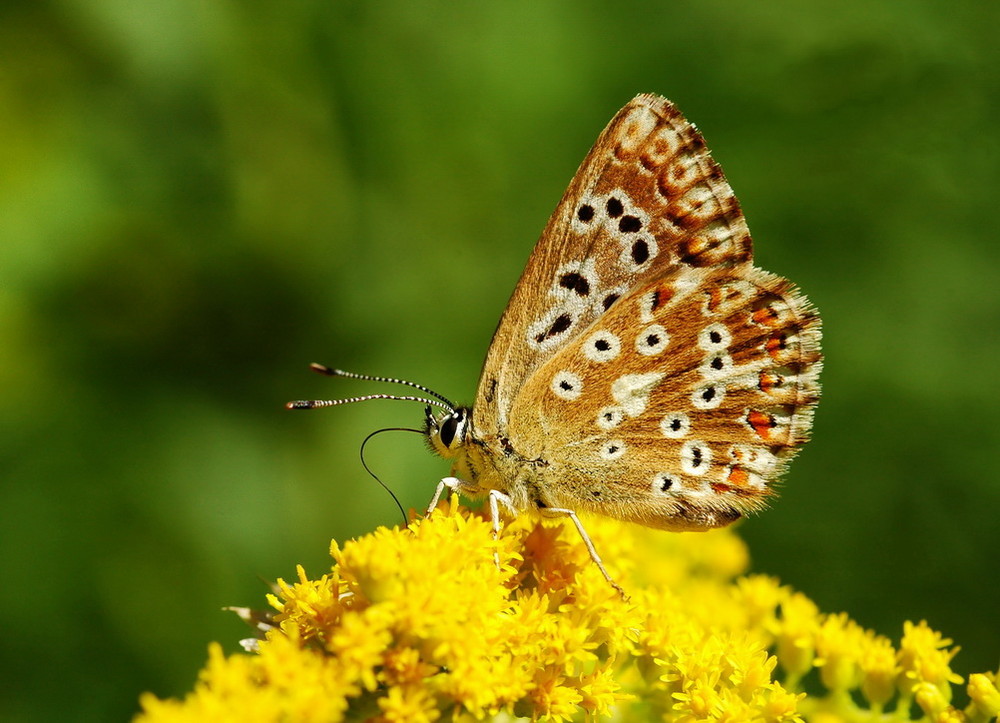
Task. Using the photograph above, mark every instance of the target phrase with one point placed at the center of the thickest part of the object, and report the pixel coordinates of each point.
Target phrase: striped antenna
(438, 401)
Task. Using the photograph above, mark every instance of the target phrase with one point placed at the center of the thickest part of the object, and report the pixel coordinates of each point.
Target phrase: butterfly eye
(448, 431)
(452, 426)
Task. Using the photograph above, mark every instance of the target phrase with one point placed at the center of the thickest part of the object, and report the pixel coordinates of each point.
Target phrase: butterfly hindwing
(681, 405)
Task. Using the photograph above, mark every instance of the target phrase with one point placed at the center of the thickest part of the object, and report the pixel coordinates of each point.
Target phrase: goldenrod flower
(421, 624)
(924, 660)
(879, 670)
(984, 694)
(796, 635)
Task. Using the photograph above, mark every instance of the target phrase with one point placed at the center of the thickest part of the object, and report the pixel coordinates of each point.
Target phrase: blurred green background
(199, 199)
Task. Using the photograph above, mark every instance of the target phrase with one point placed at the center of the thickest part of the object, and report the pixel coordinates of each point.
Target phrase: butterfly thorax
(485, 462)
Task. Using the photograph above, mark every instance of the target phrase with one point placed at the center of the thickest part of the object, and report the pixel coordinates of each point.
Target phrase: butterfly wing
(681, 405)
(648, 198)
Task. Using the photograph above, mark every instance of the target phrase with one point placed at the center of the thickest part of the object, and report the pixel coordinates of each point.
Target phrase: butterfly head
(446, 431)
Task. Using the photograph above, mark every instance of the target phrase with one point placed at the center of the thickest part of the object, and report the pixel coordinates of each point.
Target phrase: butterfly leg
(496, 499)
(561, 512)
(450, 483)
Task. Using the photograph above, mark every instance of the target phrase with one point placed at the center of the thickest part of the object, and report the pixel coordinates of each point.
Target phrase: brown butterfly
(644, 368)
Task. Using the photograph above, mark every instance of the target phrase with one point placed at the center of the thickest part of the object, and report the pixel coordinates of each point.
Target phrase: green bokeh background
(197, 199)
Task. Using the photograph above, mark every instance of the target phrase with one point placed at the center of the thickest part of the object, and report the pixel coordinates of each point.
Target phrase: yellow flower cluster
(420, 624)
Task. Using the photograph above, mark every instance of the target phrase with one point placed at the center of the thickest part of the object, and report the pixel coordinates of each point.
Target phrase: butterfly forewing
(647, 198)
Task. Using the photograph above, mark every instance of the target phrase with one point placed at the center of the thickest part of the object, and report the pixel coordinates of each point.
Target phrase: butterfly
(644, 369)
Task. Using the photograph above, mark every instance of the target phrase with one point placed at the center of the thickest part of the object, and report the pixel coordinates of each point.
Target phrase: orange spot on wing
(664, 293)
(761, 423)
(714, 299)
(776, 344)
(738, 477)
(721, 296)
(768, 382)
(765, 315)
